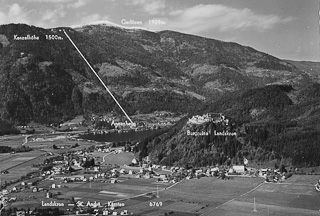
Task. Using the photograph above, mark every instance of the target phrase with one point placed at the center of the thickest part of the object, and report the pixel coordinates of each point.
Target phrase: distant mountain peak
(112, 24)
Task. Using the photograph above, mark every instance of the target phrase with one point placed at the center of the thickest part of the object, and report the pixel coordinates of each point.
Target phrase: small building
(216, 169)
(239, 169)
(134, 161)
(124, 212)
(199, 172)
(5, 192)
(20, 213)
(231, 170)
(13, 199)
(163, 176)
(147, 176)
(48, 195)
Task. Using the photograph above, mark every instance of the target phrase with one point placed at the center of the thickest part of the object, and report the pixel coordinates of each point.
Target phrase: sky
(287, 29)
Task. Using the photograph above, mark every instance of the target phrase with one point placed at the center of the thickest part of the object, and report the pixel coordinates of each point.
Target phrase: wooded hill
(269, 127)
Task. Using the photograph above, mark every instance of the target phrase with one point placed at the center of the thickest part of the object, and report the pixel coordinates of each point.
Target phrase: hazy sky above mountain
(287, 29)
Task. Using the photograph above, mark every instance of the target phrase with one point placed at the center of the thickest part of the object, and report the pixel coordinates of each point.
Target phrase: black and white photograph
(160, 107)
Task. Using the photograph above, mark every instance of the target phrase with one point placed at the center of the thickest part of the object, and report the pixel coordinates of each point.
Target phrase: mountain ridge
(190, 68)
(112, 24)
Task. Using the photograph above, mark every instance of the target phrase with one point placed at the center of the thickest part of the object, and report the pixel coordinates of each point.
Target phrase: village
(112, 122)
(84, 170)
(80, 176)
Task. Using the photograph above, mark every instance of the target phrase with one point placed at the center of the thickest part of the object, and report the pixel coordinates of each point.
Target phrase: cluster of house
(271, 175)
(109, 208)
(110, 117)
(21, 127)
(208, 117)
(206, 171)
(163, 114)
(7, 195)
(274, 175)
(112, 176)
(114, 121)
(138, 125)
(106, 212)
(70, 126)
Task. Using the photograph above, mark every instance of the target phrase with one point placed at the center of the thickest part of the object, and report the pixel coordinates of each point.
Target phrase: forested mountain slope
(47, 81)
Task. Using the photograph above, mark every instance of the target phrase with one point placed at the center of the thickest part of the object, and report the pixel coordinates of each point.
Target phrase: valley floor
(240, 196)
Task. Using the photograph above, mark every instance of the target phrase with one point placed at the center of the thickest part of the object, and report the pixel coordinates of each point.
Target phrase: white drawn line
(95, 73)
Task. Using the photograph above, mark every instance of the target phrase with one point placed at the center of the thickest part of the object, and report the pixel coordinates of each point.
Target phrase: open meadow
(120, 159)
(127, 191)
(190, 197)
(19, 164)
(12, 140)
(215, 197)
(106, 191)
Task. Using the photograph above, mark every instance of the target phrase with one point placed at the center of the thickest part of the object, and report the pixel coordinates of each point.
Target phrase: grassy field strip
(7, 157)
(13, 142)
(294, 184)
(144, 194)
(269, 198)
(240, 195)
(246, 208)
(182, 206)
(25, 162)
(144, 205)
(304, 197)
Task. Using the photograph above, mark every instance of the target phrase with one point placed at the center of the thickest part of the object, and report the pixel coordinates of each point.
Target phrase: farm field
(285, 195)
(104, 192)
(192, 197)
(125, 192)
(211, 196)
(236, 208)
(272, 199)
(211, 191)
(120, 159)
(303, 179)
(62, 144)
(12, 140)
(19, 164)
